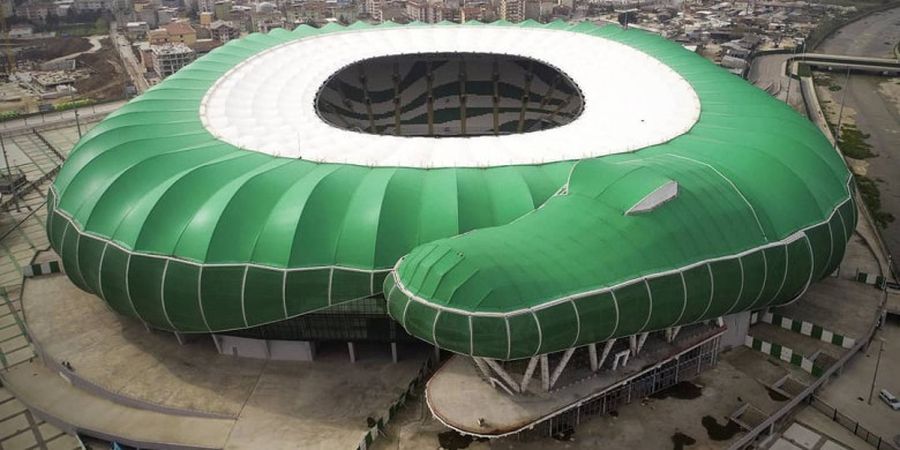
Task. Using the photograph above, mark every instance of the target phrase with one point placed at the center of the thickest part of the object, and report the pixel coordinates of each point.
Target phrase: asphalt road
(877, 115)
(132, 65)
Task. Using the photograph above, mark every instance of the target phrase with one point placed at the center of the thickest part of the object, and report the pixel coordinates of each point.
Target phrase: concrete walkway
(50, 396)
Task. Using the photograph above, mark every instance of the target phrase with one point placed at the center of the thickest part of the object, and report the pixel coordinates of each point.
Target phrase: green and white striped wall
(783, 353)
(44, 268)
(870, 278)
(805, 328)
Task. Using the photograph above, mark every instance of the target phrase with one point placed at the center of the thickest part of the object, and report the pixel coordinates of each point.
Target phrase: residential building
(224, 31)
(168, 58)
(180, 32)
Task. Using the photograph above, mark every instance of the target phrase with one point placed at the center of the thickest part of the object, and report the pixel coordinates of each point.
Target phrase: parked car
(889, 398)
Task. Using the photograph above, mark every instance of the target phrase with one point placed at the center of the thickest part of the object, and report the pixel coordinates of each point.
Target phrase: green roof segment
(185, 231)
(762, 208)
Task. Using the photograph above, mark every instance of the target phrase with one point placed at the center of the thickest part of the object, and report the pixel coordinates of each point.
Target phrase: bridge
(878, 66)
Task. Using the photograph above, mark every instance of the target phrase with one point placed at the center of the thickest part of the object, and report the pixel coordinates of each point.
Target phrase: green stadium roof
(193, 231)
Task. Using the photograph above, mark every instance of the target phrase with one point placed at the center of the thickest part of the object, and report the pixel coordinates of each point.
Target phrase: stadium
(544, 201)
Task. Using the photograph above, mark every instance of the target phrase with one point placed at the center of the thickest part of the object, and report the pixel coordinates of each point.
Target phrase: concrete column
(592, 352)
(437, 354)
(352, 350)
(561, 366)
(545, 372)
(216, 341)
(529, 371)
(180, 338)
(394, 352)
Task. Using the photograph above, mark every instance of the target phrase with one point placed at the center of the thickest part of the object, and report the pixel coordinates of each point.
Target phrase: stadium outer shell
(182, 210)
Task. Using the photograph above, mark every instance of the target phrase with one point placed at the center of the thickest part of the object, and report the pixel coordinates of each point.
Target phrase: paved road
(85, 114)
(767, 72)
(132, 65)
(877, 114)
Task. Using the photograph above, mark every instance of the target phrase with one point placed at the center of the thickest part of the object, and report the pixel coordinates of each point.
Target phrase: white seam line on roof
(712, 290)
(508, 338)
(398, 284)
(100, 273)
(78, 258)
(71, 222)
(787, 263)
(764, 281)
(330, 281)
(784, 242)
(843, 227)
(49, 219)
(434, 339)
(403, 314)
(684, 298)
(62, 238)
(128, 290)
(650, 302)
(537, 350)
(90, 235)
(577, 323)
(243, 293)
(830, 248)
(471, 336)
(812, 268)
(616, 305)
(733, 186)
(162, 295)
(200, 298)
(740, 290)
(284, 293)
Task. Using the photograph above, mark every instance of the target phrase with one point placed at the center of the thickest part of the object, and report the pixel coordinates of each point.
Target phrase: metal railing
(849, 423)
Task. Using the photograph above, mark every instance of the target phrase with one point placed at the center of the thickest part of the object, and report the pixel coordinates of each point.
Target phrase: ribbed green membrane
(171, 225)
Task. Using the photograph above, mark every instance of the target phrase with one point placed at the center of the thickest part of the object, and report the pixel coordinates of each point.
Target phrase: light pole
(875, 375)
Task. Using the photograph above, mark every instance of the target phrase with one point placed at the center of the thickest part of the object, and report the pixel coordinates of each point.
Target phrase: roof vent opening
(449, 95)
(655, 199)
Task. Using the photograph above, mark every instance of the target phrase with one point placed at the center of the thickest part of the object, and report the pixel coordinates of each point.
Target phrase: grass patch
(834, 88)
(868, 189)
(853, 143)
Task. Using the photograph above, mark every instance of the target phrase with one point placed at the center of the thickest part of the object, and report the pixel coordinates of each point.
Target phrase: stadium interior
(449, 94)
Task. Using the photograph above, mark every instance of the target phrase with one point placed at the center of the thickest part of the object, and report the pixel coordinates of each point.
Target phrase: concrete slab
(831, 445)
(849, 393)
(653, 423)
(842, 306)
(457, 386)
(52, 397)
(782, 444)
(334, 409)
(120, 356)
(802, 436)
(836, 434)
(150, 376)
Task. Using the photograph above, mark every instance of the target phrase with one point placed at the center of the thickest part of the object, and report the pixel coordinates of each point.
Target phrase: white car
(889, 398)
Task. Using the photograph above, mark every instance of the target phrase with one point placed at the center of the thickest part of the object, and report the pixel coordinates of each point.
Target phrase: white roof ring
(267, 103)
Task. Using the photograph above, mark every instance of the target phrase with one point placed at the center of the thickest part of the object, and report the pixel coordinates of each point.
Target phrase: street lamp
(875, 375)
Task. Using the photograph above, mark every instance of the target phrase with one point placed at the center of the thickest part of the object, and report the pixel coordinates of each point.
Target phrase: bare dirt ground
(110, 80)
(47, 49)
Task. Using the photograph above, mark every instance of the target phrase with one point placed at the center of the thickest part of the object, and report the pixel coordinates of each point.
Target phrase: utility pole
(875, 375)
(77, 123)
(837, 132)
